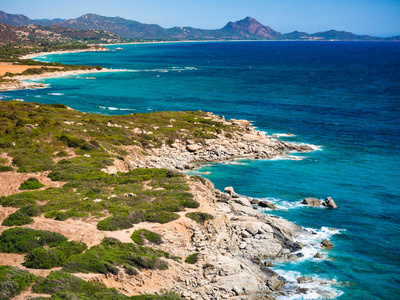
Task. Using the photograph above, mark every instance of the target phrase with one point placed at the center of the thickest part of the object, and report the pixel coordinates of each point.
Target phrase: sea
(341, 97)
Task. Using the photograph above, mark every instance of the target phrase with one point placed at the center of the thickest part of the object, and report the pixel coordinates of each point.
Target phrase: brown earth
(16, 69)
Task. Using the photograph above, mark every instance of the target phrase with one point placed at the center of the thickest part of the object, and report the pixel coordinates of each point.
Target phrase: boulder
(314, 202)
(243, 201)
(229, 190)
(304, 279)
(330, 203)
(327, 244)
(318, 255)
(275, 284)
(267, 204)
(293, 257)
(193, 148)
(255, 201)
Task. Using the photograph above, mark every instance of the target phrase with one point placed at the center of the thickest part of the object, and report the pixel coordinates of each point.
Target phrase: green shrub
(23, 240)
(31, 210)
(72, 141)
(118, 222)
(192, 258)
(161, 217)
(72, 248)
(148, 262)
(61, 282)
(16, 219)
(111, 254)
(138, 236)
(13, 280)
(199, 217)
(41, 258)
(6, 169)
(31, 184)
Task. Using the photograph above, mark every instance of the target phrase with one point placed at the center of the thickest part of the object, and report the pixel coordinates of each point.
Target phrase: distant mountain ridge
(34, 34)
(246, 29)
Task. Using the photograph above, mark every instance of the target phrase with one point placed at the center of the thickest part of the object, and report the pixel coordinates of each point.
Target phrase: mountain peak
(249, 27)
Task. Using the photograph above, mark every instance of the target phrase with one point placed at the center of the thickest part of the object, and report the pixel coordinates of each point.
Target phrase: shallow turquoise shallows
(341, 96)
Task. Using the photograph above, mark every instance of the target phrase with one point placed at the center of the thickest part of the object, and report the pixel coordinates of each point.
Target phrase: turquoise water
(341, 96)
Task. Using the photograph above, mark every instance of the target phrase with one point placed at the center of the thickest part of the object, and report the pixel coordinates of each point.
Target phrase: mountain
(246, 29)
(32, 34)
(249, 28)
(14, 20)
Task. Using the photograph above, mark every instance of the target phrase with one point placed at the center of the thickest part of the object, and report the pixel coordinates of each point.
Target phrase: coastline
(237, 220)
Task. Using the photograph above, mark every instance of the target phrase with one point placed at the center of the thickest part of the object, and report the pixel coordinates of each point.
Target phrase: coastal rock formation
(186, 155)
(330, 203)
(327, 244)
(11, 85)
(314, 202)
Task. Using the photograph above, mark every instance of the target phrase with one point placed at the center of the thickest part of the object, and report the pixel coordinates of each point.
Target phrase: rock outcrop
(186, 154)
(11, 85)
(329, 203)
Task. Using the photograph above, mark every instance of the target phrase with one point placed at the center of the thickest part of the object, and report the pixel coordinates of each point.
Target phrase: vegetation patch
(62, 285)
(17, 219)
(6, 169)
(31, 184)
(199, 217)
(13, 281)
(192, 258)
(140, 235)
(111, 255)
(44, 258)
(23, 240)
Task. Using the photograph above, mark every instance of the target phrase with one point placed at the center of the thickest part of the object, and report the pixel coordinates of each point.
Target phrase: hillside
(246, 29)
(93, 207)
(34, 34)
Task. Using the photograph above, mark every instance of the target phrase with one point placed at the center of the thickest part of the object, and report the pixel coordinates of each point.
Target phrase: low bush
(17, 219)
(111, 254)
(118, 222)
(199, 217)
(161, 217)
(72, 248)
(31, 184)
(41, 258)
(138, 237)
(192, 258)
(6, 169)
(61, 282)
(23, 240)
(13, 280)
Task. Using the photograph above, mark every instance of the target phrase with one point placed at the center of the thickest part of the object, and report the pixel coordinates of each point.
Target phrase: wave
(279, 135)
(55, 94)
(288, 157)
(318, 288)
(114, 108)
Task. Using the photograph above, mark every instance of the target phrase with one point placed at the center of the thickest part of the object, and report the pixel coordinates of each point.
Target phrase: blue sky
(374, 17)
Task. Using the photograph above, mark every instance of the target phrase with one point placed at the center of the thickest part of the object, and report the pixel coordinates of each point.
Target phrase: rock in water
(314, 202)
(330, 203)
(318, 255)
(327, 244)
(267, 204)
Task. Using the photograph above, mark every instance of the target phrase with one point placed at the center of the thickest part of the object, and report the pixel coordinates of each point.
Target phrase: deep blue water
(343, 96)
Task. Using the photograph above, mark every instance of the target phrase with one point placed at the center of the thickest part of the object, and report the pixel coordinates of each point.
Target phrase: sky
(373, 17)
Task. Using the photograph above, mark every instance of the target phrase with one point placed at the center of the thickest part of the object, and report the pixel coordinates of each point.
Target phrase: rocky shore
(187, 154)
(12, 85)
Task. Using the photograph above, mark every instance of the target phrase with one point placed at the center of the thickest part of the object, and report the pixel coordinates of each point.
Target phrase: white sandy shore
(67, 73)
(33, 55)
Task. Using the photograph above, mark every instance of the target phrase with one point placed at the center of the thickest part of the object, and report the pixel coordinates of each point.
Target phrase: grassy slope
(37, 135)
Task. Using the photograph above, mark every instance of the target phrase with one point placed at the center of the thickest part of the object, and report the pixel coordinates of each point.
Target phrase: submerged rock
(318, 255)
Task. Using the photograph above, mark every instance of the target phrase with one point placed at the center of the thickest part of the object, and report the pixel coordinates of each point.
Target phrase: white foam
(38, 96)
(127, 109)
(319, 288)
(288, 157)
(113, 108)
(278, 135)
(55, 94)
